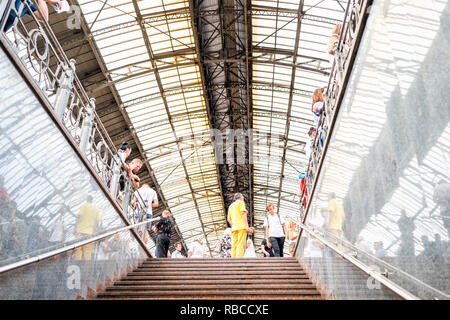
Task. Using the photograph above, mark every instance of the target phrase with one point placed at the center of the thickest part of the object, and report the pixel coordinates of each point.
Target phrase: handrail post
(126, 197)
(86, 127)
(64, 90)
(339, 67)
(114, 184)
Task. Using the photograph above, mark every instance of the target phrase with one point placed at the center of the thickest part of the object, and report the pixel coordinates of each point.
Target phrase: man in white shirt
(275, 230)
(148, 198)
(58, 235)
(197, 249)
(441, 196)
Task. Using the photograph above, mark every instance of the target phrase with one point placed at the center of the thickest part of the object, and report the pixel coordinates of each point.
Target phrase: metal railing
(344, 54)
(35, 45)
(359, 255)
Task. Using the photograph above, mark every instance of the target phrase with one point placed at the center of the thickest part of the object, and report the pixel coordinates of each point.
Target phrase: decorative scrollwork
(38, 55)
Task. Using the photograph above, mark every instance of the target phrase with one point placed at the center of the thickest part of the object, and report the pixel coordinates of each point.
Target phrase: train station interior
(327, 118)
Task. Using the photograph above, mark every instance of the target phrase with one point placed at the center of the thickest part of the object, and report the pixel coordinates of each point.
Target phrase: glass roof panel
(154, 65)
(275, 37)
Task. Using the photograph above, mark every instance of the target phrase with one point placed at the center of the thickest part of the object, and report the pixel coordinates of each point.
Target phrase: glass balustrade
(73, 275)
(48, 197)
(383, 192)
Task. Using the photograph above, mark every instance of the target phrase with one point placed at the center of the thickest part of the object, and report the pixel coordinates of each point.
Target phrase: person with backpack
(275, 230)
(163, 229)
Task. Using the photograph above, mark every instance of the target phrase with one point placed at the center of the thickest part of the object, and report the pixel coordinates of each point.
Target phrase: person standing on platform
(275, 231)
(197, 249)
(223, 246)
(292, 236)
(163, 228)
(237, 218)
(249, 249)
(336, 216)
(441, 196)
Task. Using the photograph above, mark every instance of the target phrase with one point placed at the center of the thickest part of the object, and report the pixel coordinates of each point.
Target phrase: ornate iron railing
(34, 43)
(344, 55)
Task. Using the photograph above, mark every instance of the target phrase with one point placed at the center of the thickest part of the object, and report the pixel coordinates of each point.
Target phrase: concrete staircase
(251, 278)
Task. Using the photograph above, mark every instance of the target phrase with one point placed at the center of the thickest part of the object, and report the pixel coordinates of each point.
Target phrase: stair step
(208, 265)
(221, 292)
(149, 276)
(218, 281)
(232, 260)
(215, 286)
(205, 262)
(215, 297)
(223, 272)
(225, 260)
(221, 266)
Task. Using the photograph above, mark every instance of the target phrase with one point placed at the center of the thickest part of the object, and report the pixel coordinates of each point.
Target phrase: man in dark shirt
(163, 228)
(268, 252)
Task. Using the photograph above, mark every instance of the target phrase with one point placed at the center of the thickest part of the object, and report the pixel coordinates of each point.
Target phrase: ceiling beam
(291, 95)
(162, 93)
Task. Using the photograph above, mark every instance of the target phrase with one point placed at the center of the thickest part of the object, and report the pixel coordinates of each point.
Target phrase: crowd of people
(22, 234)
(237, 240)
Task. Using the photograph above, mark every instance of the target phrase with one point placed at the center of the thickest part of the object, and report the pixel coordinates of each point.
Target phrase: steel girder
(224, 52)
(291, 93)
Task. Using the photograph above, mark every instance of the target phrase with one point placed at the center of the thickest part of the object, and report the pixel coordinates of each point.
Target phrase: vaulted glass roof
(150, 53)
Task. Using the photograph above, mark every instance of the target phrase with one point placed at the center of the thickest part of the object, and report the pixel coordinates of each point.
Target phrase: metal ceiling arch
(175, 70)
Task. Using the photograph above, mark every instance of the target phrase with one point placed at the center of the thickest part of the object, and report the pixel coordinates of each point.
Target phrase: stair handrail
(68, 247)
(363, 267)
(385, 264)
